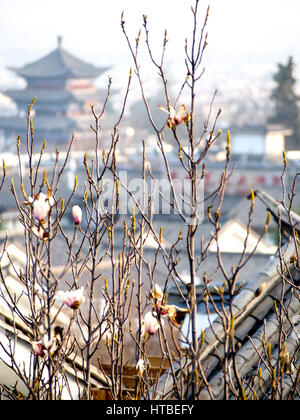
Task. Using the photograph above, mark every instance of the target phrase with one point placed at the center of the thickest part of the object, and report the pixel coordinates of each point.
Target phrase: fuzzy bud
(77, 215)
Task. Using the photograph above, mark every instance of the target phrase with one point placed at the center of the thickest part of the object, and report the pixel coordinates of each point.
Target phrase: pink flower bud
(72, 299)
(42, 348)
(77, 215)
(151, 323)
(38, 348)
(41, 207)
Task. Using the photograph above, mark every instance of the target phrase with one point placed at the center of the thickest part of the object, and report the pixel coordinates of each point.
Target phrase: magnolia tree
(79, 321)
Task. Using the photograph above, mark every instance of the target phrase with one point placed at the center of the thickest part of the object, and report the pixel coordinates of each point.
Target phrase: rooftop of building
(59, 63)
(50, 95)
(264, 290)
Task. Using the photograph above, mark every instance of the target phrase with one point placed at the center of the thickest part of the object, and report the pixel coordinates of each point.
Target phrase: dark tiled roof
(211, 268)
(240, 210)
(256, 322)
(59, 63)
(287, 218)
(255, 308)
(13, 261)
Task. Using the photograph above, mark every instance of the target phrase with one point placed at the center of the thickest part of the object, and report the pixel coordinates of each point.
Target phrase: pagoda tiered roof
(25, 96)
(59, 64)
(43, 124)
(63, 87)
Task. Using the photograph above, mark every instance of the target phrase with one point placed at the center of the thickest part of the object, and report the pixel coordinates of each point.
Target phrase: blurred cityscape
(66, 86)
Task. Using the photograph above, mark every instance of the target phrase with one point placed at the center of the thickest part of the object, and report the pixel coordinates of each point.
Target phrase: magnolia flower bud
(158, 293)
(42, 348)
(140, 367)
(72, 299)
(151, 323)
(77, 215)
(41, 207)
(40, 232)
(38, 348)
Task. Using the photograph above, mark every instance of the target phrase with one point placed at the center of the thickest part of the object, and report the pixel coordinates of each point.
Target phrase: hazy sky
(247, 31)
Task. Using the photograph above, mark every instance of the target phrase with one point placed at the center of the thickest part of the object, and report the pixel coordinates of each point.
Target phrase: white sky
(240, 31)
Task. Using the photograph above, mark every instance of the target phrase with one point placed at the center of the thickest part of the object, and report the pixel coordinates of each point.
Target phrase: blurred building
(64, 89)
(258, 142)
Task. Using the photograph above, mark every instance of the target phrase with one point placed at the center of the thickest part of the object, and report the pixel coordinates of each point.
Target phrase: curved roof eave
(59, 64)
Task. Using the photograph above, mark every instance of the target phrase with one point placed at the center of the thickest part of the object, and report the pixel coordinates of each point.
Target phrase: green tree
(285, 101)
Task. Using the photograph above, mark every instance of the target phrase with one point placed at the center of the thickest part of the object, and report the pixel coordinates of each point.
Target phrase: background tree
(285, 101)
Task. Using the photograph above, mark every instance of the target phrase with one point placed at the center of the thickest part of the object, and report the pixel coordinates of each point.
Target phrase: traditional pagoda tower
(64, 90)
